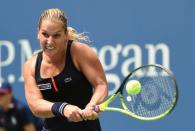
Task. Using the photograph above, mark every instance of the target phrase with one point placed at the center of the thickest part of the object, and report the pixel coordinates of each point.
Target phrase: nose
(49, 40)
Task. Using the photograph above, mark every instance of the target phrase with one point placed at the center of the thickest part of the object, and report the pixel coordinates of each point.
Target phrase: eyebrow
(52, 32)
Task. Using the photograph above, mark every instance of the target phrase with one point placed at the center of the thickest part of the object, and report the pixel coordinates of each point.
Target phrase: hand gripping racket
(156, 99)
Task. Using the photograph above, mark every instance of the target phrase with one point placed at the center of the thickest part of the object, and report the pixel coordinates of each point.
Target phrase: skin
(53, 39)
(5, 101)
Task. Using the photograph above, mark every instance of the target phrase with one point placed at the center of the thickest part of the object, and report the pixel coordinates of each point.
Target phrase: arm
(89, 64)
(37, 104)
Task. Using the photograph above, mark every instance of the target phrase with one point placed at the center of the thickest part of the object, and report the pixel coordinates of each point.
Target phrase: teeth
(49, 47)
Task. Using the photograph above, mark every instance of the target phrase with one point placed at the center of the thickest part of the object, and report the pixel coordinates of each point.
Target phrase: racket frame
(105, 105)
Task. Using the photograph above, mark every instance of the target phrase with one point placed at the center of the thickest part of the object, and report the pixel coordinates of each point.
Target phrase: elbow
(35, 112)
(34, 109)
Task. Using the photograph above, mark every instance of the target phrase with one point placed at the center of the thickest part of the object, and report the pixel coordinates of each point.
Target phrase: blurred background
(125, 34)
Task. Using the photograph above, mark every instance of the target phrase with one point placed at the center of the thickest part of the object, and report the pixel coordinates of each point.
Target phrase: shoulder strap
(38, 66)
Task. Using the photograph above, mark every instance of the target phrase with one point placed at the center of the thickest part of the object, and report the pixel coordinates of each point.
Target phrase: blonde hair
(55, 14)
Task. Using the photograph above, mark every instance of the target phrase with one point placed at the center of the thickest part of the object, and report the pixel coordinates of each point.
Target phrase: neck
(55, 59)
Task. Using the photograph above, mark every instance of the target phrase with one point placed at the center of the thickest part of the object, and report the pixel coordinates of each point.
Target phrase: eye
(56, 35)
(45, 34)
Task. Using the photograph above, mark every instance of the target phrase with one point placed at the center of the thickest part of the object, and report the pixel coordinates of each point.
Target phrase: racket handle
(97, 109)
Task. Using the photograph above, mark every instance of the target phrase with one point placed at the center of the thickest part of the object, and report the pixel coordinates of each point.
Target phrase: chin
(50, 52)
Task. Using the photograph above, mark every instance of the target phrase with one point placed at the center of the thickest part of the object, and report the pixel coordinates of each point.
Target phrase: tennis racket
(156, 99)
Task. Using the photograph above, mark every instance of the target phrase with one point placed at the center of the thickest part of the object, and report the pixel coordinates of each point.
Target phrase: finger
(83, 115)
(76, 119)
(94, 115)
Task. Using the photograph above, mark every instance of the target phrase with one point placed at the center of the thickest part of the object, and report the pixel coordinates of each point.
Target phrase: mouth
(49, 48)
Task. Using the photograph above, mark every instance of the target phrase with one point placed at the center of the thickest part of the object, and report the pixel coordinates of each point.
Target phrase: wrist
(90, 105)
(58, 108)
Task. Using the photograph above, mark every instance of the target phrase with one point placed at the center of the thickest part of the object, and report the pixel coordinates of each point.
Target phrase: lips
(49, 47)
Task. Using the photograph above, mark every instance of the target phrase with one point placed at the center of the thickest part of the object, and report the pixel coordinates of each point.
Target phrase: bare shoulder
(82, 55)
(83, 50)
(29, 65)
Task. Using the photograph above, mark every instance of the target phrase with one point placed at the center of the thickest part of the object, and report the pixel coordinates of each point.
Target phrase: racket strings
(157, 94)
(154, 100)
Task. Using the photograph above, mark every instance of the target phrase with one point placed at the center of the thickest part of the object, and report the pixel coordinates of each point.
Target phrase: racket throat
(97, 109)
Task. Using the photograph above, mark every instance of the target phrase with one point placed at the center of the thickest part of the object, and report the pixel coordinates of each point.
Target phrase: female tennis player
(65, 80)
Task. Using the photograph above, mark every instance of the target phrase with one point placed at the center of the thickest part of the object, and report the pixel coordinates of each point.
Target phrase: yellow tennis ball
(133, 87)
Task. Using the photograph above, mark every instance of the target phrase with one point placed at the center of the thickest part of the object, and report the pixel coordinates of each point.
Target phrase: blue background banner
(125, 34)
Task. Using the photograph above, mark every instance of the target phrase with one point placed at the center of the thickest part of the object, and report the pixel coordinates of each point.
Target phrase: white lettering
(117, 60)
(136, 59)
(10, 55)
(152, 54)
(113, 81)
(109, 56)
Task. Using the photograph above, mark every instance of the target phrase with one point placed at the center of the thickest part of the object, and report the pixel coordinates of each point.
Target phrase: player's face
(52, 37)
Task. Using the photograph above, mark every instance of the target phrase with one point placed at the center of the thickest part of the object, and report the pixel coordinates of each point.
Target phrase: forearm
(100, 93)
(41, 108)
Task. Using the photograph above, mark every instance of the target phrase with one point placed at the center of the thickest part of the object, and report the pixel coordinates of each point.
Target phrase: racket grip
(97, 109)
